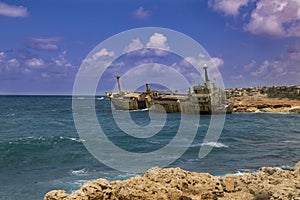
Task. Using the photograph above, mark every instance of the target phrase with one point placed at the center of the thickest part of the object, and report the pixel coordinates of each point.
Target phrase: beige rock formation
(263, 104)
(177, 184)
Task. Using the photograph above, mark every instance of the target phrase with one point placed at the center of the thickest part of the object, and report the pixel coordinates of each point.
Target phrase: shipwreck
(201, 99)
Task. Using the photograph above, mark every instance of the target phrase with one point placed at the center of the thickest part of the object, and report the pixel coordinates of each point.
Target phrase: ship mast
(119, 84)
(207, 84)
(147, 88)
(206, 75)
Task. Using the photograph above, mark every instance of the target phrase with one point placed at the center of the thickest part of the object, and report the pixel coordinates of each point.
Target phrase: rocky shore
(269, 105)
(177, 184)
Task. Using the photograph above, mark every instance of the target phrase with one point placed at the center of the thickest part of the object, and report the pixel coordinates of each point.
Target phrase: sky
(44, 43)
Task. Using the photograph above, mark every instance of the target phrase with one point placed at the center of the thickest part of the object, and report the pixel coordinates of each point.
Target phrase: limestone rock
(296, 170)
(264, 104)
(177, 184)
(57, 194)
(295, 109)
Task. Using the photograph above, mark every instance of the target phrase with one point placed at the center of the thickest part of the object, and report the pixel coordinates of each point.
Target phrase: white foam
(243, 171)
(100, 98)
(70, 138)
(11, 115)
(214, 144)
(75, 139)
(285, 167)
(139, 110)
(79, 172)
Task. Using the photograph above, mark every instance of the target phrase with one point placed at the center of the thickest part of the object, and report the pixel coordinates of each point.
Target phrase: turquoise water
(40, 149)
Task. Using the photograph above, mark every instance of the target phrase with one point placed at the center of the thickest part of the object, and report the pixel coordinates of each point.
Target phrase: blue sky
(43, 43)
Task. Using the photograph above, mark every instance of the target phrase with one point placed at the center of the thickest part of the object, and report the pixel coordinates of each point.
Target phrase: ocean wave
(79, 183)
(100, 98)
(71, 138)
(10, 114)
(247, 171)
(79, 172)
(140, 110)
(124, 176)
(285, 167)
(215, 144)
(212, 144)
(243, 171)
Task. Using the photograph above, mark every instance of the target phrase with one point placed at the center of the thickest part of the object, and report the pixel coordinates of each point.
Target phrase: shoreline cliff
(175, 183)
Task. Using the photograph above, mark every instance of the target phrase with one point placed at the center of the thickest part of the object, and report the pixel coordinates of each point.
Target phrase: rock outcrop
(177, 184)
(255, 104)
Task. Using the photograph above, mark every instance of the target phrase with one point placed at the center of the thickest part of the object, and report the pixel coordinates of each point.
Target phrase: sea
(41, 150)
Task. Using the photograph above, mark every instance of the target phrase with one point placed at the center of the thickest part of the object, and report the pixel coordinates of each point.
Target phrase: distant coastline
(279, 99)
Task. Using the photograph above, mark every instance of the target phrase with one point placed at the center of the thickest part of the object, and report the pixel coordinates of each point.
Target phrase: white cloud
(119, 64)
(45, 75)
(217, 61)
(134, 45)
(98, 61)
(27, 71)
(228, 7)
(189, 71)
(250, 66)
(262, 70)
(13, 11)
(8, 64)
(103, 53)
(14, 63)
(62, 60)
(25, 66)
(275, 18)
(237, 77)
(294, 52)
(159, 41)
(212, 67)
(202, 61)
(282, 70)
(35, 63)
(50, 43)
(271, 18)
(141, 13)
(2, 56)
(154, 73)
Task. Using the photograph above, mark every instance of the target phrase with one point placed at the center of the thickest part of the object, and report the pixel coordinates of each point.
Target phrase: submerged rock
(175, 183)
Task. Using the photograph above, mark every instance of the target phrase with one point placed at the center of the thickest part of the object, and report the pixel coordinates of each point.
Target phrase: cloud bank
(269, 18)
(275, 18)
